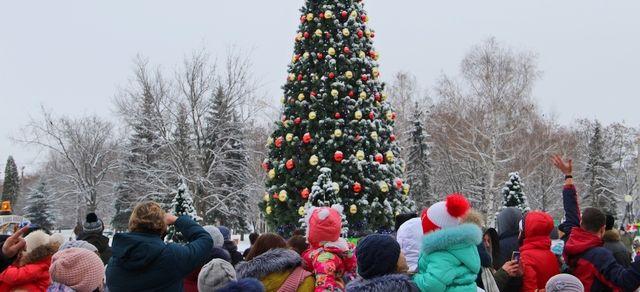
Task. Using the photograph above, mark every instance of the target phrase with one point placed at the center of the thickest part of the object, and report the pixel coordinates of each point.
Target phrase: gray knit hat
(78, 244)
(218, 239)
(215, 274)
(564, 283)
(92, 224)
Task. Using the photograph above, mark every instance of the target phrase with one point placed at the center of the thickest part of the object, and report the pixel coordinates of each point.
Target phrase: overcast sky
(71, 56)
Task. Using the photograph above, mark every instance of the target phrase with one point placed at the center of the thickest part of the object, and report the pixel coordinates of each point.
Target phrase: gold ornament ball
(283, 99)
(289, 137)
(389, 155)
(376, 72)
(269, 141)
(318, 33)
(313, 160)
(367, 32)
(301, 96)
(346, 32)
(305, 55)
(358, 115)
(282, 196)
(301, 211)
(334, 93)
(362, 55)
(374, 135)
(389, 115)
(384, 187)
(353, 209)
(328, 14)
(384, 96)
(360, 155)
(336, 187)
(272, 173)
(363, 95)
(405, 189)
(268, 210)
(331, 51)
(312, 115)
(292, 77)
(310, 17)
(266, 197)
(348, 74)
(354, 14)
(337, 133)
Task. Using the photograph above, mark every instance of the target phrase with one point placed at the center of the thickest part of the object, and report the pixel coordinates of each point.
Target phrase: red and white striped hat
(445, 214)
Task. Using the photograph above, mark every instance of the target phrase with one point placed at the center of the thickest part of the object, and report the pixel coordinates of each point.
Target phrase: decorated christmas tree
(182, 204)
(512, 193)
(335, 116)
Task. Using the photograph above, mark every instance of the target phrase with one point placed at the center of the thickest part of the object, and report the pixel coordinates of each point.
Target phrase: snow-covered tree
(181, 205)
(324, 193)
(11, 186)
(336, 116)
(600, 193)
(123, 207)
(418, 167)
(513, 194)
(39, 208)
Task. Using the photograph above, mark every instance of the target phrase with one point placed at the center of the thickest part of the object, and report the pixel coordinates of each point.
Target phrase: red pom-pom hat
(445, 214)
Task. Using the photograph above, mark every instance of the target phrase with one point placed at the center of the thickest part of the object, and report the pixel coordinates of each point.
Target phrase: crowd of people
(447, 247)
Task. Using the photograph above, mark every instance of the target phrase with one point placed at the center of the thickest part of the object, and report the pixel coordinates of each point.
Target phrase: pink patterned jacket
(332, 263)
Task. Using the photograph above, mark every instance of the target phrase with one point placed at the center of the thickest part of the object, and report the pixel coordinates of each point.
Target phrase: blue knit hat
(244, 285)
(226, 233)
(377, 255)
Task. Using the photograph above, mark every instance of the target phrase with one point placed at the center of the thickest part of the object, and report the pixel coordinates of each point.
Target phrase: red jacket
(538, 262)
(33, 277)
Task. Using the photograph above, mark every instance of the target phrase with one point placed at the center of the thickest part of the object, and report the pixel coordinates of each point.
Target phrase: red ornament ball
(346, 50)
(392, 137)
(305, 193)
(373, 54)
(265, 165)
(275, 196)
(297, 57)
(398, 183)
(363, 17)
(344, 14)
(306, 34)
(290, 165)
(279, 142)
(379, 158)
(300, 77)
(320, 56)
(351, 93)
(378, 96)
(338, 156)
(297, 121)
(372, 115)
(338, 115)
(332, 75)
(358, 137)
(306, 138)
(360, 33)
(357, 187)
(321, 15)
(313, 93)
(364, 77)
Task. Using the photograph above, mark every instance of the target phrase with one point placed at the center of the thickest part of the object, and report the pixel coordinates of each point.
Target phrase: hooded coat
(539, 264)
(31, 273)
(612, 242)
(508, 230)
(273, 268)
(449, 260)
(100, 241)
(143, 262)
(409, 237)
(594, 265)
(391, 282)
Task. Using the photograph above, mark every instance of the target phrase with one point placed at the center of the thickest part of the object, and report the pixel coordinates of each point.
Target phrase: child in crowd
(449, 260)
(215, 275)
(409, 238)
(537, 261)
(330, 257)
(76, 269)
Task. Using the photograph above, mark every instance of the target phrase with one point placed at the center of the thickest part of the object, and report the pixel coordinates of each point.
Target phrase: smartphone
(515, 256)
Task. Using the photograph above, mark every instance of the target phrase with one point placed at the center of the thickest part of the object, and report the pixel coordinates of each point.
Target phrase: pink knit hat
(77, 268)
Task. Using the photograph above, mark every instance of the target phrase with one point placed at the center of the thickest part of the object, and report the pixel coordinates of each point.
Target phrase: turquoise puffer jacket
(449, 260)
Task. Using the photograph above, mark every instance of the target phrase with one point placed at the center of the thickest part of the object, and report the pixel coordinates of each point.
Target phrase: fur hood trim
(39, 253)
(452, 238)
(611, 236)
(392, 282)
(273, 261)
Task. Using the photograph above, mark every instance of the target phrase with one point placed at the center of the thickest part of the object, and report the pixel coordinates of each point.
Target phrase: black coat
(101, 242)
(232, 248)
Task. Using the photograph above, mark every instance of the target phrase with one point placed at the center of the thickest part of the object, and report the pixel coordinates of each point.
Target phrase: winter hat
(215, 274)
(216, 235)
(77, 268)
(57, 239)
(36, 239)
(78, 244)
(92, 224)
(445, 214)
(244, 285)
(377, 255)
(226, 233)
(409, 238)
(324, 224)
(564, 283)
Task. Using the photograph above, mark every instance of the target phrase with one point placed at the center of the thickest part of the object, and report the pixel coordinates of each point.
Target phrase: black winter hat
(92, 224)
(377, 255)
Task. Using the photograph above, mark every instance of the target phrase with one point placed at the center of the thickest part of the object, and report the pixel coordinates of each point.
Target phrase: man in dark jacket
(612, 242)
(509, 276)
(230, 246)
(92, 233)
(142, 261)
(11, 246)
(594, 265)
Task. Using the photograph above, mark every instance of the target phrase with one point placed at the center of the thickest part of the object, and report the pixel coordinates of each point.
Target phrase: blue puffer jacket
(393, 282)
(143, 262)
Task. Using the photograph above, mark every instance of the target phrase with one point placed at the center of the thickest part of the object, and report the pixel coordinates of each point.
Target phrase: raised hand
(565, 166)
(169, 219)
(15, 243)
